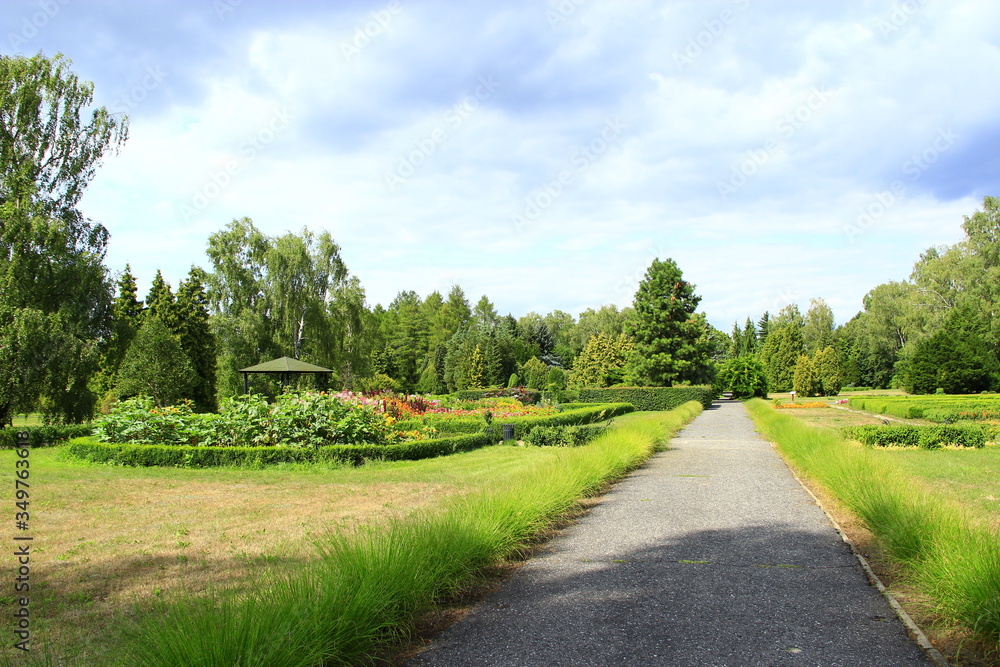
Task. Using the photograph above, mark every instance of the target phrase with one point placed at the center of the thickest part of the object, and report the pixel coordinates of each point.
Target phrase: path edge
(918, 635)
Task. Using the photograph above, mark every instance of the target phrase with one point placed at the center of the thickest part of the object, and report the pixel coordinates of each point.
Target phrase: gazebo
(286, 367)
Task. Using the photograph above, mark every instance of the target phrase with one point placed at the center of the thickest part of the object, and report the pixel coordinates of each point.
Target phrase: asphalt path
(710, 554)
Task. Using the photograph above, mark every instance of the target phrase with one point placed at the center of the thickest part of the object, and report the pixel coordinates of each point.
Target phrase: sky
(544, 153)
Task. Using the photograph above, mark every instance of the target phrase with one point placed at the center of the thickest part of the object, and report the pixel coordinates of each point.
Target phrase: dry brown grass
(107, 541)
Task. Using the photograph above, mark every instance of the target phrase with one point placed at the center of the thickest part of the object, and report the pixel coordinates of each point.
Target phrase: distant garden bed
(316, 427)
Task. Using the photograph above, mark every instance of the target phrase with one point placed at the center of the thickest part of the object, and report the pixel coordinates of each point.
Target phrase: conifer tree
(196, 338)
(669, 342)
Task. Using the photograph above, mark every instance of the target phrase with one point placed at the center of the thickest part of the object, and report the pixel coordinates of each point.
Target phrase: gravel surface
(710, 554)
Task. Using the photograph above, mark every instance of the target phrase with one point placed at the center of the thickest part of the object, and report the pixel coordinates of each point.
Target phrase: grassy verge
(369, 585)
(943, 549)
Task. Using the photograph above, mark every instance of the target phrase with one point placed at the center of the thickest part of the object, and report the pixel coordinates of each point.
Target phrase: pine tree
(669, 341)
(155, 365)
(750, 343)
(161, 303)
(763, 329)
(126, 318)
(196, 338)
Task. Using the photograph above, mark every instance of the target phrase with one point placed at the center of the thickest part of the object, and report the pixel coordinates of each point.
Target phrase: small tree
(806, 382)
(535, 373)
(744, 376)
(155, 365)
(827, 366)
(477, 369)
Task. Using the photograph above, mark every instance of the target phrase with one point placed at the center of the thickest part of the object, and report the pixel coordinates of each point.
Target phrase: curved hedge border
(184, 456)
(651, 398)
(42, 436)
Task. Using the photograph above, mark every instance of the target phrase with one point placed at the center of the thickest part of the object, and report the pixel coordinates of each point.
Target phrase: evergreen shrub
(926, 437)
(42, 436)
(650, 398)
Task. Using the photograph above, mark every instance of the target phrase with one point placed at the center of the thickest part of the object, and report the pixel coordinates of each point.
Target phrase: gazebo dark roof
(285, 366)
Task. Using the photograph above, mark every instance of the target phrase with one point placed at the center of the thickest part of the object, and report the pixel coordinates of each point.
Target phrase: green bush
(42, 436)
(526, 396)
(564, 436)
(650, 398)
(744, 376)
(926, 437)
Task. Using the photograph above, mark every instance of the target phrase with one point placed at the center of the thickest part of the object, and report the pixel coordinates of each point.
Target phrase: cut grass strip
(943, 549)
(367, 588)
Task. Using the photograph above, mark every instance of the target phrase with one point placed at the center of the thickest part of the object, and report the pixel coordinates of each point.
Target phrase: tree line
(74, 338)
(936, 331)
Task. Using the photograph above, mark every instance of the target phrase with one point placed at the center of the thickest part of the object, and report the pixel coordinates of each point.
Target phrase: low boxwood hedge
(89, 449)
(927, 437)
(533, 395)
(42, 436)
(650, 398)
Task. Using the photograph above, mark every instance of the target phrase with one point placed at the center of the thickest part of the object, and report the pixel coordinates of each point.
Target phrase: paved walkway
(711, 554)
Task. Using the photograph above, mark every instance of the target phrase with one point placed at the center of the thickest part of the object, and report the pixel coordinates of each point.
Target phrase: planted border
(650, 398)
(187, 456)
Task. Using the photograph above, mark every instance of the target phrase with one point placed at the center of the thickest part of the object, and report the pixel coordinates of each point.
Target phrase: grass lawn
(109, 541)
(30, 419)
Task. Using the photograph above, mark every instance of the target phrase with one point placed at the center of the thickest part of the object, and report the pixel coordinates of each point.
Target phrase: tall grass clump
(943, 550)
(366, 588)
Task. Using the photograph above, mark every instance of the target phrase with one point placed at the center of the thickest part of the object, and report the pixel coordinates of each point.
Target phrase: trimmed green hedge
(650, 398)
(187, 456)
(42, 436)
(926, 437)
(445, 427)
(478, 394)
